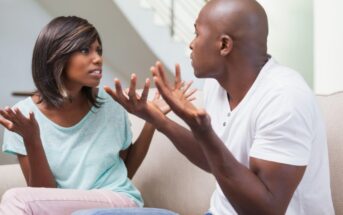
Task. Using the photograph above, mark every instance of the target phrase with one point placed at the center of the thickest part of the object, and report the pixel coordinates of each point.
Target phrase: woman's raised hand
(15, 121)
(135, 103)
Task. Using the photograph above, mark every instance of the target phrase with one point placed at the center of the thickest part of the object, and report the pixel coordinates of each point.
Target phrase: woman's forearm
(139, 149)
(39, 172)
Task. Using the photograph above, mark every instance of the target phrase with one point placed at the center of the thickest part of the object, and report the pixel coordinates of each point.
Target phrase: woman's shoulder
(24, 104)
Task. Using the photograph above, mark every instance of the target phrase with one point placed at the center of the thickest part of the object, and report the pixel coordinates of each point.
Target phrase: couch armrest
(11, 176)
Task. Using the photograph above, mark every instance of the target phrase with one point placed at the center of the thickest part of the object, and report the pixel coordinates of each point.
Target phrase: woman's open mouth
(97, 73)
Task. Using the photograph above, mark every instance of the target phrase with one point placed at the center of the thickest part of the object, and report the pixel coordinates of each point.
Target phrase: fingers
(153, 71)
(119, 92)
(190, 93)
(190, 99)
(6, 123)
(32, 116)
(159, 86)
(14, 119)
(4, 114)
(10, 117)
(157, 95)
(130, 100)
(182, 85)
(126, 92)
(10, 113)
(145, 92)
(161, 74)
(187, 86)
(109, 91)
(5, 120)
(132, 88)
(160, 80)
(19, 115)
(178, 82)
(117, 95)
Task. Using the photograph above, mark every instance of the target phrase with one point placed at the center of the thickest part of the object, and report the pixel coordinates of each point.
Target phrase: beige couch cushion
(168, 180)
(10, 176)
(332, 108)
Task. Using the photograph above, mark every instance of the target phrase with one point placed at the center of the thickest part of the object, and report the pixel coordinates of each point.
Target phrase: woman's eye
(84, 50)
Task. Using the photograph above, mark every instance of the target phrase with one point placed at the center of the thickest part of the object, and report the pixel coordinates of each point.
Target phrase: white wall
(307, 35)
(158, 38)
(20, 24)
(328, 42)
(290, 38)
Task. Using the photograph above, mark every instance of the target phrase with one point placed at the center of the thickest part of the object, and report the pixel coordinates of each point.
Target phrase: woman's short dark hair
(55, 44)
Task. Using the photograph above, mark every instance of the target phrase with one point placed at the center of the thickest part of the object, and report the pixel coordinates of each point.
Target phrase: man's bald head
(245, 21)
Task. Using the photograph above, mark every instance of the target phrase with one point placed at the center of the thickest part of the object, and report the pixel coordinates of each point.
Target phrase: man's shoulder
(284, 81)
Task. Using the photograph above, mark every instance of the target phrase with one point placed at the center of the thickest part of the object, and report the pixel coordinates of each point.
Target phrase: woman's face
(84, 67)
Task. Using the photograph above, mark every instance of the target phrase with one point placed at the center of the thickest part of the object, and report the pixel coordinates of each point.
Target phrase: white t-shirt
(278, 120)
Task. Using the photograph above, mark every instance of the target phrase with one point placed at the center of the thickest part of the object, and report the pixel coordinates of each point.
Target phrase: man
(261, 134)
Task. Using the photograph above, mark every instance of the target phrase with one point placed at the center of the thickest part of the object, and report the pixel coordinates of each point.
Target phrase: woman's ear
(226, 45)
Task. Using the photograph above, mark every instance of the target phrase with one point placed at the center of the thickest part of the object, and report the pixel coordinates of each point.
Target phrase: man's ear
(226, 44)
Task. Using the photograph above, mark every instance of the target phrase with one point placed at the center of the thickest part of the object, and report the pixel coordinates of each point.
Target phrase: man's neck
(239, 78)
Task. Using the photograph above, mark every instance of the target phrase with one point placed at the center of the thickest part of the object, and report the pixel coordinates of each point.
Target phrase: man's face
(205, 51)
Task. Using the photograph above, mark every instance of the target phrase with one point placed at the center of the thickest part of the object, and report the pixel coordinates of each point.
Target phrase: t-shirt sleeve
(127, 132)
(13, 143)
(284, 131)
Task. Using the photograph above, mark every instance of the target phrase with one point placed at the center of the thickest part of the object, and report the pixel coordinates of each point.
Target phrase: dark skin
(231, 47)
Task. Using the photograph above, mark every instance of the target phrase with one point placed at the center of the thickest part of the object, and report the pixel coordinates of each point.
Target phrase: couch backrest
(332, 109)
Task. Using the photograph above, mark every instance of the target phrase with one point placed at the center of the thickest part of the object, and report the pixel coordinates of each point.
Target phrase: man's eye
(84, 50)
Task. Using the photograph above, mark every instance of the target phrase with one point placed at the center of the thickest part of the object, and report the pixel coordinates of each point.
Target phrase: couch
(168, 180)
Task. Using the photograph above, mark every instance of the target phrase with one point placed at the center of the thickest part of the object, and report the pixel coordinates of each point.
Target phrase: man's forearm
(40, 174)
(185, 142)
(245, 191)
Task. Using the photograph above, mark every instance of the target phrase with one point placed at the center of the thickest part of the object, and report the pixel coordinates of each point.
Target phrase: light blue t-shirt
(86, 155)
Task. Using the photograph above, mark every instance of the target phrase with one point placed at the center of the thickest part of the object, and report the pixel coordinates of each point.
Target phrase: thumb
(32, 116)
(6, 123)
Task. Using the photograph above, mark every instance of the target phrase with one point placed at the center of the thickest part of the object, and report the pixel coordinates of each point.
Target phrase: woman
(70, 134)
